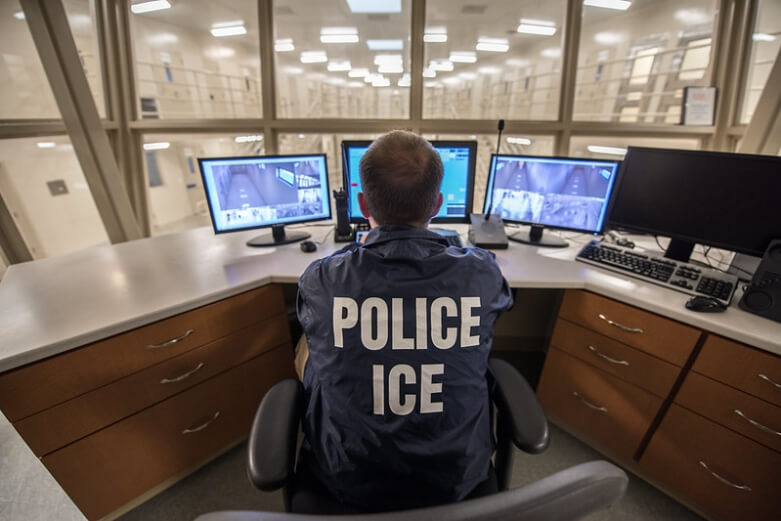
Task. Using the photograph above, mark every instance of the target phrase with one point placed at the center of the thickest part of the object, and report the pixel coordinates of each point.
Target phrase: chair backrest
(567, 495)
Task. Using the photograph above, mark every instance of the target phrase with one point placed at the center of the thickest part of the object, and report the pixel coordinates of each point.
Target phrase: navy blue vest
(399, 332)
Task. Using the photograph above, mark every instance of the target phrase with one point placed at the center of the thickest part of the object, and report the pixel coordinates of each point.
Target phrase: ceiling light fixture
(492, 44)
(46, 144)
(489, 70)
(339, 65)
(223, 29)
(538, 27)
(385, 45)
(763, 37)
(374, 6)
(463, 57)
(248, 139)
(613, 151)
(148, 7)
(435, 35)
(440, 65)
(162, 145)
(518, 140)
(19, 15)
(358, 73)
(339, 35)
(618, 5)
(284, 45)
(429, 73)
(314, 57)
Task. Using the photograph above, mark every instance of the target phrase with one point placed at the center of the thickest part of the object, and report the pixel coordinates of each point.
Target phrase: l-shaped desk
(79, 335)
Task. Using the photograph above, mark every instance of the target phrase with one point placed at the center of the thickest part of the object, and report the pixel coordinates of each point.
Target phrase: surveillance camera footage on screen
(255, 192)
(554, 192)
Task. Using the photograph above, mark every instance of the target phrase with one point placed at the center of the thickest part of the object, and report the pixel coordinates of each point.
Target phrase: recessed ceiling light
(440, 65)
(339, 65)
(162, 145)
(338, 30)
(19, 15)
(385, 45)
(301, 136)
(148, 7)
(374, 6)
(613, 151)
(763, 37)
(489, 70)
(619, 5)
(463, 57)
(222, 29)
(492, 44)
(436, 34)
(46, 144)
(339, 35)
(390, 68)
(539, 27)
(429, 73)
(608, 37)
(284, 45)
(518, 140)
(404, 81)
(314, 57)
(248, 139)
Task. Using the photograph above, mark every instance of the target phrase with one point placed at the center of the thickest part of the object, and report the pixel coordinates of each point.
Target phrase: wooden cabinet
(695, 413)
(116, 418)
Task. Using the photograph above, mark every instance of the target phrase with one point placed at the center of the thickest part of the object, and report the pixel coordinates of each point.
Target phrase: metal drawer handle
(183, 376)
(756, 423)
(768, 379)
(622, 327)
(202, 426)
(725, 481)
(604, 356)
(172, 341)
(589, 404)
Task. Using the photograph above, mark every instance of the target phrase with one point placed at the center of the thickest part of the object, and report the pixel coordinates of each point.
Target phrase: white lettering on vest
(443, 338)
(344, 321)
(370, 305)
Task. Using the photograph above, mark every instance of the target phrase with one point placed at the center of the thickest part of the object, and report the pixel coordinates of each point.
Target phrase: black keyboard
(680, 276)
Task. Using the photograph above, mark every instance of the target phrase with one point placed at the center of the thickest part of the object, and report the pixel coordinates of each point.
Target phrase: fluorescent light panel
(148, 7)
(339, 65)
(248, 139)
(429, 73)
(440, 65)
(162, 145)
(339, 38)
(463, 57)
(618, 5)
(518, 140)
(613, 151)
(228, 29)
(538, 27)
(46, 144)
(763, 37)
(314, 57)
(385, 45)
(492, 44)
(374, 6)
(19, 15)
(435, 38)
(284, 45)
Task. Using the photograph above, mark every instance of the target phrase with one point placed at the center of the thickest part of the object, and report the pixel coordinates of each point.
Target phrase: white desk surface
(52, 305)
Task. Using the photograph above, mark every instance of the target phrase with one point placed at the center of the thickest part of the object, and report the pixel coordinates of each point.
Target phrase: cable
(329, 232)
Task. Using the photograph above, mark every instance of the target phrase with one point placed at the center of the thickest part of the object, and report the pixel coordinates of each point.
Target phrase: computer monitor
(553, 192)
(244, 193)
(458, 160)
(723, 200)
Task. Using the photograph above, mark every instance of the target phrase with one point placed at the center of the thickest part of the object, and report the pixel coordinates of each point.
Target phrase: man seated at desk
(399, 331)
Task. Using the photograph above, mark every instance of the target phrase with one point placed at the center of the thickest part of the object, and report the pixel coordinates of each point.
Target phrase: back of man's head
(401, 175)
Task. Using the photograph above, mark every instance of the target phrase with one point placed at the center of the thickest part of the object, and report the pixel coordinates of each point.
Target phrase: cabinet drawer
(648, 372)
(40, 385)
(746, 368)
(756, 419)
(64, 423)
(658, 336)
(604, 410)
(686, 443)
(111, 467)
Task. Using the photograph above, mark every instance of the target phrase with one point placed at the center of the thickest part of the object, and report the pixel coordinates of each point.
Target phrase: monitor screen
(257, 192)
(724, 200)
(554, 192)
(458, 160)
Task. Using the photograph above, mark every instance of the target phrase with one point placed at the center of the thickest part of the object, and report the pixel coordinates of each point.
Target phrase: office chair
(520, 420)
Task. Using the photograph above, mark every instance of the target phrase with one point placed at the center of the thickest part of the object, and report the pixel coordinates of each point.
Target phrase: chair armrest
(274, 435)
(519, 408)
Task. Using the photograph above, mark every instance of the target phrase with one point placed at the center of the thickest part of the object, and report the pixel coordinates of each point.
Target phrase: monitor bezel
(443, 143)
(270, 225)
(666, 233)
(611, 191)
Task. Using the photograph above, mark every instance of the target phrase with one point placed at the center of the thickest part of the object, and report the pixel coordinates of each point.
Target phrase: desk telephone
(763, 295)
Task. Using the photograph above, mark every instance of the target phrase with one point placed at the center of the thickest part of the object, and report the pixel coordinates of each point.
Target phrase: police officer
(399, 330)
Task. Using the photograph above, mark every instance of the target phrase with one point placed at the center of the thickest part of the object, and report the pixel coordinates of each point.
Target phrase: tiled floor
(223, 485)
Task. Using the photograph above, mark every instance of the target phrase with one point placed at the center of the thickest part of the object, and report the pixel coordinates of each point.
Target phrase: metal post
(569, 72)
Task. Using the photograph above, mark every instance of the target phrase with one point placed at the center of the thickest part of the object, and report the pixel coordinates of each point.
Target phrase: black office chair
(520, 420)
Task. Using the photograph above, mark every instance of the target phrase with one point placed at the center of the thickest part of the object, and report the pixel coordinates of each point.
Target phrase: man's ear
(363, 205)
(439, 205)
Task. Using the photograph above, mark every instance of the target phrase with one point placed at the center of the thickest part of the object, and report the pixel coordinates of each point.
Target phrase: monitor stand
(277, 237)
(535, 237)
(679, 250)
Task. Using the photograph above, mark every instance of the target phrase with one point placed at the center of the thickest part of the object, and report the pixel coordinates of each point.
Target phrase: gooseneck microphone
(500, 128)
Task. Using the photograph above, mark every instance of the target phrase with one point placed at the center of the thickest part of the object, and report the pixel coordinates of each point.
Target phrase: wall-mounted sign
(699, 105)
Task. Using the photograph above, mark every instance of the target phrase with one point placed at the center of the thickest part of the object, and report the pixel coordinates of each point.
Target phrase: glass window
(26, 91)
(175, 189)
(605, 147)
(493, 60)
(45, 191)
(486, 145)
(633, 64)
(766, 41)
(328, 144)
(81, 18)
(339, 60)
(197, 59)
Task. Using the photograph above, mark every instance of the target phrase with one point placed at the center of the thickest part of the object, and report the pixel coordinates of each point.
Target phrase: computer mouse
(308, 246)
(706, 304)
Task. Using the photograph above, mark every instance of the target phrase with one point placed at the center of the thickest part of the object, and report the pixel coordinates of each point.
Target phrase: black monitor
(458, 160)
(553, 192)
(245, 193)
(728, 201)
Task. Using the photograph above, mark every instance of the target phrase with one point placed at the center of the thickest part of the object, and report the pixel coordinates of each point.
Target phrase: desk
(51, 306)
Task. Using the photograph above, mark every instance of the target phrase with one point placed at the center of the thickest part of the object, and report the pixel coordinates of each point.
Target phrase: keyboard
(680, 276)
